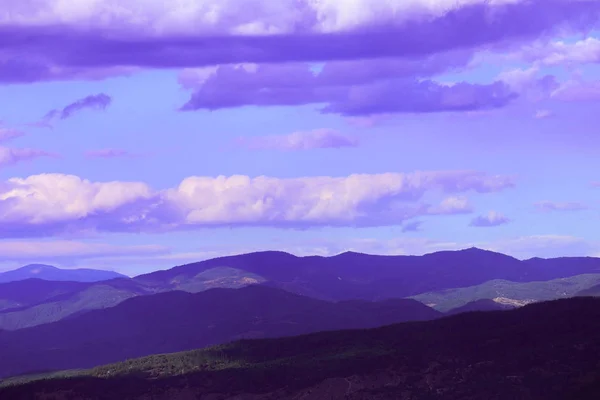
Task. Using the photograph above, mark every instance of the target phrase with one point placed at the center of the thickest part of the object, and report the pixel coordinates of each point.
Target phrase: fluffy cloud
(57, 38)
(452, 205)
(315, 139)
(559, 206)
(50, 204)
(554, 53)
(493, 218)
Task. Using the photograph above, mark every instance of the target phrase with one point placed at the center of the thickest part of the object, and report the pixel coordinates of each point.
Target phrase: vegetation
(546, 351)
(445, 300)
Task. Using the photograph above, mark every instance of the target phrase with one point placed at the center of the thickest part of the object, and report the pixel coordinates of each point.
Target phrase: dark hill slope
(544, 351)
(176, 321)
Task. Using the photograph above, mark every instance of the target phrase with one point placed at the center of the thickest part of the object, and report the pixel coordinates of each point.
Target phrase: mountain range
(51, 273)
(51, 325)
(543, 351)
(347, 276)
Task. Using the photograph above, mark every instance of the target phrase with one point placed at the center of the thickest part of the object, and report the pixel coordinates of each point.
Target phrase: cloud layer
(52, 204)
(49, 39)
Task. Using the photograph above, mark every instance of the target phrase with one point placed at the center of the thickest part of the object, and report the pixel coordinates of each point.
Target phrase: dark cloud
(29, 49)
(97, 101)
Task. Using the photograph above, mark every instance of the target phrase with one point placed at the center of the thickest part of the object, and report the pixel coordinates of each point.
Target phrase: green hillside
(445, 300)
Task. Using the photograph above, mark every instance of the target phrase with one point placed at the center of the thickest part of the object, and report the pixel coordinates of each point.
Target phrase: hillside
(544, 351)
(34, 302)
(593, 291)
(445, 300)
(176, 321)
(479, 305)
(51, 273)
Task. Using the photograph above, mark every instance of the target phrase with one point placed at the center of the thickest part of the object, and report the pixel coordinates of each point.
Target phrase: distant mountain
(543, 351)
(177, 321)
(480, 305)
(42, 301)
(50, 273)
(509, 292)
(33, 291)
(371, 277)
(33, 302)
(343, 277)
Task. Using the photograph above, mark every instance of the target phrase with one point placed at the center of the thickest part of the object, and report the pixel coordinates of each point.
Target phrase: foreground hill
(50, 273)
(176, 321)
(504, 291)
(543, 351)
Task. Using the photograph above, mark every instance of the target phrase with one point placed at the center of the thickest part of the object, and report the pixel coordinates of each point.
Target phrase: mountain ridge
(52, 273)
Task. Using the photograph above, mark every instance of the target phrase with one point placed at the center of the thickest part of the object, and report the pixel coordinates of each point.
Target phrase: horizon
(148, 135)
(295, 255)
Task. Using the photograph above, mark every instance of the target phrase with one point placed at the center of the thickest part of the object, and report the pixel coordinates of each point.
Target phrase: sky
(138, 135)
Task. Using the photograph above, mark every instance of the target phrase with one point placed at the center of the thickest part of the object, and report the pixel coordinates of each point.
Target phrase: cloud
(95, 102)
(578, 90)
(543, 114)
(351, 89)
(108, 153)
(11, 156)
(315, 139)
(555, 53)
(559, 206)
(155, 34)
(493, 218)
(596, 184)
(527, 84)
(413, 226)
(452, 205)
(7, 134)
(56, 204)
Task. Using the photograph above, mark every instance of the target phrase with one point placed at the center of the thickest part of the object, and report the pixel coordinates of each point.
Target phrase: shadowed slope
(177, 321)
(544, 351)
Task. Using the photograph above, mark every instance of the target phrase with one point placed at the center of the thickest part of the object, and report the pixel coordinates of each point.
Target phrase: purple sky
(143, 134)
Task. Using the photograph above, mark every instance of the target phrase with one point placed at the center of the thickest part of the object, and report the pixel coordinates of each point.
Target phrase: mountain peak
(37, 268)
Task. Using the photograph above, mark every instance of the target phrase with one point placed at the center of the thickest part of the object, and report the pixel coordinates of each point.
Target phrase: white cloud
(254, 17)
(54, 203)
